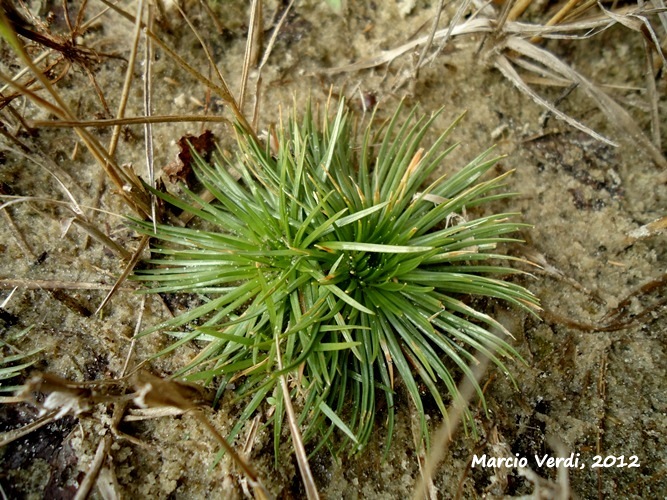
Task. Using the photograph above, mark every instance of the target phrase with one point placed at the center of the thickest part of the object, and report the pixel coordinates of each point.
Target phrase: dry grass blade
(265, 58)
(616, 114)
(517, 9)
(577, 30)
(653, 97)
(502, 18)
(443, 436)
(107, 483)
(126, 272)
(210, 59)
(13, 435)
(13, 200)
(559, 16)
(253, 46)
(20, 74)
(127, 183)
(212, 16)
(251, 435)
(146, 391)
(297, 441)
(93, 472)
(546, 77)
(19, 118)
(127, 83)
(508, 71)
(564, 73)
(222, 90)
(640, 24)
(651, 229)
(32, 95)
(99, 236)
(545, 267)
(299, 449)
(651, 295)
(460, 12)
(20, 240)
(148, 128)
(79, 217)
(468, 27)
(635, 21)
(56, 172)
(424, 59)
(6, 133)
(138, 120)
(434, 28)
(133, 342)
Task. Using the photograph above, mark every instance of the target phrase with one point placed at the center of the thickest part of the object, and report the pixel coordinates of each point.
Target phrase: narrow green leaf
(348, 300)
(337, 421)
(336, 346)
(348, 219)
(371, 247)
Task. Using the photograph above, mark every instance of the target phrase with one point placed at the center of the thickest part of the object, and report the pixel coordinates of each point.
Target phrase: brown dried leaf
(181, 168)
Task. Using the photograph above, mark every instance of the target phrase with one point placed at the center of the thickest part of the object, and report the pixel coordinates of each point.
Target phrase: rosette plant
(334, 261)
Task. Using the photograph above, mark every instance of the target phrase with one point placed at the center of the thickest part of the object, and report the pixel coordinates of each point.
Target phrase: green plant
(14, 365)
(328, 262)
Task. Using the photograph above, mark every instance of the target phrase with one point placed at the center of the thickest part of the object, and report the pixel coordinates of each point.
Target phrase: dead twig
(155, 392)
(138, 120)
(126, 272)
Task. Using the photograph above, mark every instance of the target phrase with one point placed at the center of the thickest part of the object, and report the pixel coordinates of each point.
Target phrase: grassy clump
(327, 261)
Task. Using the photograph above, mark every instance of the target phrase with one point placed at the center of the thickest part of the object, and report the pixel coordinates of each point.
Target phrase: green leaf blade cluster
(336, 258)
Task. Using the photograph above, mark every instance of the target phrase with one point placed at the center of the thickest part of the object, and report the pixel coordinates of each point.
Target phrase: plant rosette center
(334, 260)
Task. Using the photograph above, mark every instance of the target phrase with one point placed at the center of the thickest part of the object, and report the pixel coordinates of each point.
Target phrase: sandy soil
(583, 389)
